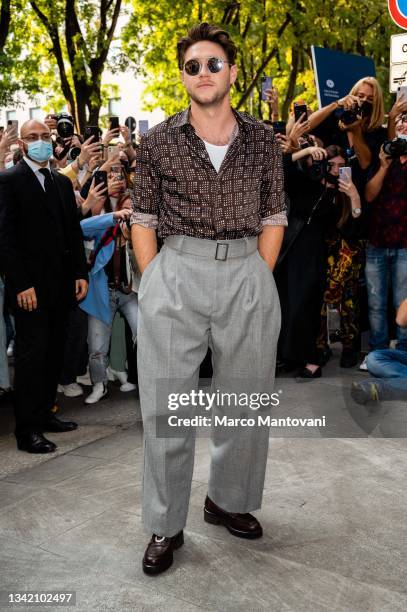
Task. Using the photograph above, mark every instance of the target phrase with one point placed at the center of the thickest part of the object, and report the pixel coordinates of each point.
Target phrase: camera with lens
(318, 170)
(73, 153)
(395, 148)
(65, 125)
(358, 111)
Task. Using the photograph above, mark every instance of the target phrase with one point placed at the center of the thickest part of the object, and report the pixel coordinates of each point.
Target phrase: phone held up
(100, 177)
(345, 174)
(266, 83)
(300, 109)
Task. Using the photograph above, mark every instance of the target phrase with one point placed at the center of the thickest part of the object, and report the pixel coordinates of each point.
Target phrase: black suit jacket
(31, 251)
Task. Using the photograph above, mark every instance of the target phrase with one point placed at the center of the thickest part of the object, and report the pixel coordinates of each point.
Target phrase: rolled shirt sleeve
(277, 219)
(146, 192)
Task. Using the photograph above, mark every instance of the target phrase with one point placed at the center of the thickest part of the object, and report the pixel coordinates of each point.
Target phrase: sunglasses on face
(194, 66)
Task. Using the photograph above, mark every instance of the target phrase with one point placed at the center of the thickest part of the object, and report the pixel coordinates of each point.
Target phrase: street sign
(398, 76)
(398, 49)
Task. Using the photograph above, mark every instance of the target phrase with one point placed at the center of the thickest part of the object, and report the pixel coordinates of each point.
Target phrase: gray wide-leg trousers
(191, 297)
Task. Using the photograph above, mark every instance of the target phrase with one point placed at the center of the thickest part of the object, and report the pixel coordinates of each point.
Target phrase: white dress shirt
(36, 169)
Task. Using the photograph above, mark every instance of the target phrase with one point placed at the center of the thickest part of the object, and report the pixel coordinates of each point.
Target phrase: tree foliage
(63, 47)
(273, 36)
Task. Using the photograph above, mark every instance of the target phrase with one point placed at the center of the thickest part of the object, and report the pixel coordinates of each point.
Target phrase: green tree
(273, 37)
(81, 33)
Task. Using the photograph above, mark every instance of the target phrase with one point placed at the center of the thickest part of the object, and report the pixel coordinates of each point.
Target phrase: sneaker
(71, 390)
(99, 392)
(127, 386)
(84, 380)
(364, 392)
(120, 376)
(363, 366)
(10, 349)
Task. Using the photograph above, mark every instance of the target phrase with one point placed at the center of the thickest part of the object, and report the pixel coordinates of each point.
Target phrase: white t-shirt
(216, 154)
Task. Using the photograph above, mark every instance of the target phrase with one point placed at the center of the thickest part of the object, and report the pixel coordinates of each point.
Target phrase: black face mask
(332, 179)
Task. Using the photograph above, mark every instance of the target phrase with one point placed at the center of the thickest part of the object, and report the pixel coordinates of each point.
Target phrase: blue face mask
(9, 164)
(40, 151)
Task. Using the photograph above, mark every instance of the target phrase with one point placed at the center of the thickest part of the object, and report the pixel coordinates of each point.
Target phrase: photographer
(355, 124)
(111, 289)
(315, 208)
(386, 253)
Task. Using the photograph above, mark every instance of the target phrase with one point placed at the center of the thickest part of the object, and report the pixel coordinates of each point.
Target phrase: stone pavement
(333, 514)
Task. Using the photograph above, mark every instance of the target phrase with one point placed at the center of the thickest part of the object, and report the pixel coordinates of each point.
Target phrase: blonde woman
(361, 138)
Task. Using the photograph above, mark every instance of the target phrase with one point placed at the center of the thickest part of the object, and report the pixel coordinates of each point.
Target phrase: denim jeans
(4, 373)
(390, 367)
(99, 333)
(385, 267)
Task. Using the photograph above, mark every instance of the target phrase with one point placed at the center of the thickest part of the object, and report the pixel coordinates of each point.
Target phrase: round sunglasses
(194, 66)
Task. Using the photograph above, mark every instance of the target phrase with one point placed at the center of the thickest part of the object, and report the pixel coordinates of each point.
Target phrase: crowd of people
(345, 176)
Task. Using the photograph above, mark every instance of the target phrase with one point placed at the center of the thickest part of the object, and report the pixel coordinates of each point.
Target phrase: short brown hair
(212, 33)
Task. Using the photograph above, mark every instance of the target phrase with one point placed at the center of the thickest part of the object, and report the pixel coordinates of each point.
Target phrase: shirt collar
(182, 118)
(34, 166)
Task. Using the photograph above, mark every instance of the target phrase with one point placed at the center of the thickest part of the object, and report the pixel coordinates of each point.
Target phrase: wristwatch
(356, 212)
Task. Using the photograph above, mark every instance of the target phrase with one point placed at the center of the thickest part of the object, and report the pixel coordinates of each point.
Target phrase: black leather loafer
(57, 426)
(35, 443)
(159, 553)
(239, 525)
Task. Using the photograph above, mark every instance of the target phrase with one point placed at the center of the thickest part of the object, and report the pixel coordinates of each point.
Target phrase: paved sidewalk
(333, 516)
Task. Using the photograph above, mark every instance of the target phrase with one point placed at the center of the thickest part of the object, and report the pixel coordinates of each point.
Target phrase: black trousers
(39, 351)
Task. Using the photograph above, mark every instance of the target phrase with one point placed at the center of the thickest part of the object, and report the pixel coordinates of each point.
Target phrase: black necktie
(49, 183)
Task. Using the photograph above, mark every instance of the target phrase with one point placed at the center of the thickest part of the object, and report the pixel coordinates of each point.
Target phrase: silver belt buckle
(221, 251)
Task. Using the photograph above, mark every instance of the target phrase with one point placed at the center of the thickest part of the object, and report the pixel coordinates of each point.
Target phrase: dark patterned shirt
(388, 214)
(178, 191)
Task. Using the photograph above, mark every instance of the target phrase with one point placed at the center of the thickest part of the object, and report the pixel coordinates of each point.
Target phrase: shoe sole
(213, 519)
(34, 452)
(153, 570)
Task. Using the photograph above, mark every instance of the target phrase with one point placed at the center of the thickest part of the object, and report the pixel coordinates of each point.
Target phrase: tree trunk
(291, 84)
(5, 18)
(264, 64)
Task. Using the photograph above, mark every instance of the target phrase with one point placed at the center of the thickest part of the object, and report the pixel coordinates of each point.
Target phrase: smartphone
(279, 127)
(300, 109)
(143, 126)
(92, 130)
(12, 126)
(345, 173)
(113, 123)
(266, 83)
(100, 176)
(131, 124)
(112, 151)
(116, 172)
(402, 93)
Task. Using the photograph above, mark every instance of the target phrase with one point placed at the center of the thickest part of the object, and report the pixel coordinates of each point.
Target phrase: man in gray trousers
(209, 182)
